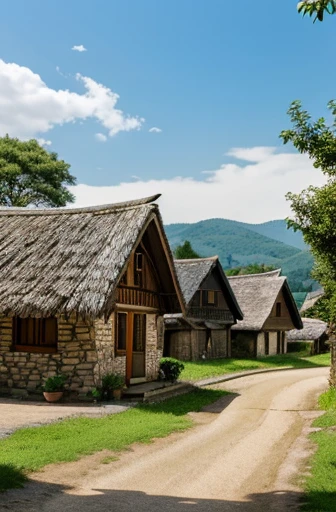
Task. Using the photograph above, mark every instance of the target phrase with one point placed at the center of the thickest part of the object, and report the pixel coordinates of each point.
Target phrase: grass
(213, 368)
(320, 486)
(31, 449)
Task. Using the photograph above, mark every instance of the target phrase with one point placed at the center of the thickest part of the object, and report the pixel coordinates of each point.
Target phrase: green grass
(213, 368)
(320, 486)
(30, 449)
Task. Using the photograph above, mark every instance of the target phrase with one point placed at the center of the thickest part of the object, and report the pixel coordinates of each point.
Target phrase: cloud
(79, 48)
(252, 192)
(155, 129)
(30, 108)
(44, 142)
(101, 137)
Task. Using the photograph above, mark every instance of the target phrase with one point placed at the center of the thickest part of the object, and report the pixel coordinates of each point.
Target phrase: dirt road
(242, 457)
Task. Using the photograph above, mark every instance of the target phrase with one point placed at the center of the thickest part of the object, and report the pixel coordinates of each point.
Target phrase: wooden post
(332, 380)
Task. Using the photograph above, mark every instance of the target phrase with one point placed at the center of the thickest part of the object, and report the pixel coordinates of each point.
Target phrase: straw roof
(311, 299)
(257, 294)
(192, 273)
(312, 330)
(69, 260)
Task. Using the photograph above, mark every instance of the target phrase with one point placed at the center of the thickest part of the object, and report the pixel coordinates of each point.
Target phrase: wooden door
(136, 348)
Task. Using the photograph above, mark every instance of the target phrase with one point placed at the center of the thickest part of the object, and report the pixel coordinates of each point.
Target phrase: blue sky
(211, 77)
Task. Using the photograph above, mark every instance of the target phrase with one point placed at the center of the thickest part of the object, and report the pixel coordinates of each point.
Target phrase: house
(269, 311)
(311, 299)
(204, 331)
(83, 292)
(314, 333)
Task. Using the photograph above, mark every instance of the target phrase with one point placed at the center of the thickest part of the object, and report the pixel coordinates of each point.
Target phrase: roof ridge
(272, 273)
(106, 208)
(195, 260)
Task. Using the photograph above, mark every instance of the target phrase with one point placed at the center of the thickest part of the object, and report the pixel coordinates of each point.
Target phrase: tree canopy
(185, 252)
(315, 208)
(317, 8)
(30, 175)
(254, 268)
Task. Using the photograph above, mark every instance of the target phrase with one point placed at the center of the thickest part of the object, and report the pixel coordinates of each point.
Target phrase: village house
(204, 332)
(314, 333)
(83, 292)
(269, 311)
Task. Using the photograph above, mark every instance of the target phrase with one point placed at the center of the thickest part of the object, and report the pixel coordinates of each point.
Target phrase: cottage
(211, 311)
(311, 299)
(83, 292)
(314, 333)
(269, 310)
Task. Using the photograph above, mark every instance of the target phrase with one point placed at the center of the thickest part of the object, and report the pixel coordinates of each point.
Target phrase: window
(278, 309)
(209, 298)
(138, 269)
(35, 334)
(121, 332)
(266, 343)
(279, 351)
(139, 333)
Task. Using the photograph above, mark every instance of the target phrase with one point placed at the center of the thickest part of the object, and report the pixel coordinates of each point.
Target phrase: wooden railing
(134, 296)
(222, 315)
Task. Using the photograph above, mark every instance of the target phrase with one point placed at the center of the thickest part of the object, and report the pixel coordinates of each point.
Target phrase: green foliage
(55, 383)
(30, 175)
(31, 449)
(315, 208)
(327, 400)
(171, 368)
(253, 268)
(185, 252)
(11, 477)
(317, 8)
(110, 381)
(299, 347)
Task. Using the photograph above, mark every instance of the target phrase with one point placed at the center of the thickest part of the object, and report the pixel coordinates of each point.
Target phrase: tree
(185, 252)
(253, 268)
(317, 8)
(30, 175)
(315, 208)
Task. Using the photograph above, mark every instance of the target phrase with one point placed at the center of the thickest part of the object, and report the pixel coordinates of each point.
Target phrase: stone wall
(154, 345)
(76, 357)
(333, 363)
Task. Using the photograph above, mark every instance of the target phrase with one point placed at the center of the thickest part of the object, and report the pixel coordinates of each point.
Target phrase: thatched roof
(65, 260)
(312, 330)
(257, 294)
(311, 299)
(192, 273)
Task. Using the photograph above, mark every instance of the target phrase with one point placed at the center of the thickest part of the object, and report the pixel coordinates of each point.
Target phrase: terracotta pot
(52, 396)
(117, 394)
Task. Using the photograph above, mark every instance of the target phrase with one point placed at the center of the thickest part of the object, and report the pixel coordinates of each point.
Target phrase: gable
(283, 322)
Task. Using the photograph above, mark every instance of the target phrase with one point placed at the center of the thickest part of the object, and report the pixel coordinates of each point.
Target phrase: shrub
(110, 381)
(55, 383)
(170, 368)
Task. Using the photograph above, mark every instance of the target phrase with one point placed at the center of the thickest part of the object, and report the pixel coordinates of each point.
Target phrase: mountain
(239, 244)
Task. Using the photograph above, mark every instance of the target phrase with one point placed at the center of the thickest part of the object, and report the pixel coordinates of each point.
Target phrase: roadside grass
(320, 486)
(31, 449)
(197, 370)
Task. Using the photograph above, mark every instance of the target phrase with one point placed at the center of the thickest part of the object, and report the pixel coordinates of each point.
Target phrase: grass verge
(31, 449)
(213, 368)
(320, 486)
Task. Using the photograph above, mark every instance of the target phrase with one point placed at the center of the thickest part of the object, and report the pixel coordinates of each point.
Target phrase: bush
(55, 383)
(110, 381)
(170, 368)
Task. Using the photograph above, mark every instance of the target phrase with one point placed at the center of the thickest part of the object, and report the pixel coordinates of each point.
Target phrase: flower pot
(52, 396)
(117, 394)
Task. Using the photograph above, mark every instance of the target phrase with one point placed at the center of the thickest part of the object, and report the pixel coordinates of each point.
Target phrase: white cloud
(101, 137)
(30, 108)
(155, 129)
(79, 48)
(253, 193)
(44, 142)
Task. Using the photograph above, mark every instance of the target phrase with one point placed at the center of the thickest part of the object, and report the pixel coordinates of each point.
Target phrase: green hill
(239, 244)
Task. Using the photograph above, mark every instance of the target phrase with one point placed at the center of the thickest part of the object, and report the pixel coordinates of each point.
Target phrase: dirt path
(241, 458)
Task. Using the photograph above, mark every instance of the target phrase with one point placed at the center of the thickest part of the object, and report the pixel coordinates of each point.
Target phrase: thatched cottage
(314, 333)
(269, 311)
(211, 311)
(83, 292)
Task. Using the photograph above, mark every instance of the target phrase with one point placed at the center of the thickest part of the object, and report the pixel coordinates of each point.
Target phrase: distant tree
(30, 175)
(317, 8)
(185, 252)
(253, 268)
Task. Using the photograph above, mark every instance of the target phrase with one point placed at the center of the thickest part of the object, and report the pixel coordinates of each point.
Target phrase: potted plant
(54, 387)
(112, 384)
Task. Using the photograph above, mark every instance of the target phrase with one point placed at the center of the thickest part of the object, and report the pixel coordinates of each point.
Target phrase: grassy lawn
(320, 486)
(32, 448)
(213, 368)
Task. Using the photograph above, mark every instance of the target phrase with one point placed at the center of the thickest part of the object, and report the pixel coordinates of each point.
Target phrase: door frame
(129, 344)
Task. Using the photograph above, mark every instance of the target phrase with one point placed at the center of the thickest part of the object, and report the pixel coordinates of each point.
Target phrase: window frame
(266, 343)
(36, 344)
(278, 311)
(205, 298)
(121, 351)
(138, 269)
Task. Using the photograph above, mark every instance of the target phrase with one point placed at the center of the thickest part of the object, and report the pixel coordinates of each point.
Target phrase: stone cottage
(269, 311)
(83, 292)
(204, 332)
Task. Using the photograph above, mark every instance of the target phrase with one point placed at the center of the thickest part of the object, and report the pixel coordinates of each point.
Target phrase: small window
(278, 309)
(139, 333)
(35, 334)
(266, 343)
(279, 351)
(209, 298)
(138, 269)
(121, 332)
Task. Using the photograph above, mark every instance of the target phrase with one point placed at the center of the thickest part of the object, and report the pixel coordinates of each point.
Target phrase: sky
(182, 97)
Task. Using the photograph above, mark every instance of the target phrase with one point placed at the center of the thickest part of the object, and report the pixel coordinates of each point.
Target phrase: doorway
(131, 335)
